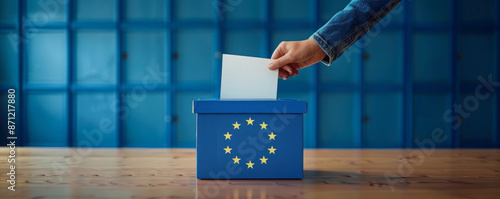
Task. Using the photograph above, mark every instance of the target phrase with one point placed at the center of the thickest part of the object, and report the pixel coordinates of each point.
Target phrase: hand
(290, 56)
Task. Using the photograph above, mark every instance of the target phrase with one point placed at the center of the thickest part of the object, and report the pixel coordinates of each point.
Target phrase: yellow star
(228, 136)
(250, 121)
(271, 150)
(236, 160)
(263, 160)
(271, 136)
(250, 164)
(236, 125)
(263, 125)
(228, 150)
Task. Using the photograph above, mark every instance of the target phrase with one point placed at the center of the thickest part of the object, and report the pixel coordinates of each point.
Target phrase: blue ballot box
(249, 139)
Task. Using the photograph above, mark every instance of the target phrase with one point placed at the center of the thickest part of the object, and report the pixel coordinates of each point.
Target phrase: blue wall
(110, 73)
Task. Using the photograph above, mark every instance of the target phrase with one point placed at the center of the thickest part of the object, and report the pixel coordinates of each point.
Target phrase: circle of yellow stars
(249, 164)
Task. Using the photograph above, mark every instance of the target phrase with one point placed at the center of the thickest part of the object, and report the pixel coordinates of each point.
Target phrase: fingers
(283, 61)
(283, 74)
(279, 51)
(288, 69)
(287, 72)
(280, 62)
(294, 72)
(281, 57)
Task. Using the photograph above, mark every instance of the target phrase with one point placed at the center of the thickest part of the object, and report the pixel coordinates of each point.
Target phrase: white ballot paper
(247, 78)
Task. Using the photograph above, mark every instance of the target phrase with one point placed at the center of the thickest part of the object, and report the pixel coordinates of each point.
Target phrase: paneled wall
(111, 73)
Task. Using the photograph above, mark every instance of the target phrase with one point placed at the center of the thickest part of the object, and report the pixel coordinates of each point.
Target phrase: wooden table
(170, 173)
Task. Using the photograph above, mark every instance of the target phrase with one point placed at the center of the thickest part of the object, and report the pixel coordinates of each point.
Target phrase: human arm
(343, 29)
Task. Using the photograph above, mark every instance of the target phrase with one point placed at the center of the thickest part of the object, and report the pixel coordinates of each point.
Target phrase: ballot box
(237, 139)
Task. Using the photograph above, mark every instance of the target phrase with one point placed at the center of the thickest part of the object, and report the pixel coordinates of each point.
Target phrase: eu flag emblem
(254, 140)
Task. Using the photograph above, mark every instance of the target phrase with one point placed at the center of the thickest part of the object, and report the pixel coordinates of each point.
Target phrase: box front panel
(249, 146)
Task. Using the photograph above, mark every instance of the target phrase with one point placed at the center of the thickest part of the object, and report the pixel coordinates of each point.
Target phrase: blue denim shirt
(349, 25)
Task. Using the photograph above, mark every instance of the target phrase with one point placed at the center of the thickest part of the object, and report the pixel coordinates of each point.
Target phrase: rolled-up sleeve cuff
(324, 46)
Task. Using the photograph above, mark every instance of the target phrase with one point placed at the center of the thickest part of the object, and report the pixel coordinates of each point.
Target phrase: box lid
(282, 106)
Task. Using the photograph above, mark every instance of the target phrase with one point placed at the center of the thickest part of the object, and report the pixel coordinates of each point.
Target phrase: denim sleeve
(349, 25)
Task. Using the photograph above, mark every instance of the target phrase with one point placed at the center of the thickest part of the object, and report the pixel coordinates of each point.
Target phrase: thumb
(280, 62)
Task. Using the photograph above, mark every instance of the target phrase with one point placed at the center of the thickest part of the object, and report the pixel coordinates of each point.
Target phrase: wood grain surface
(170, 173)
